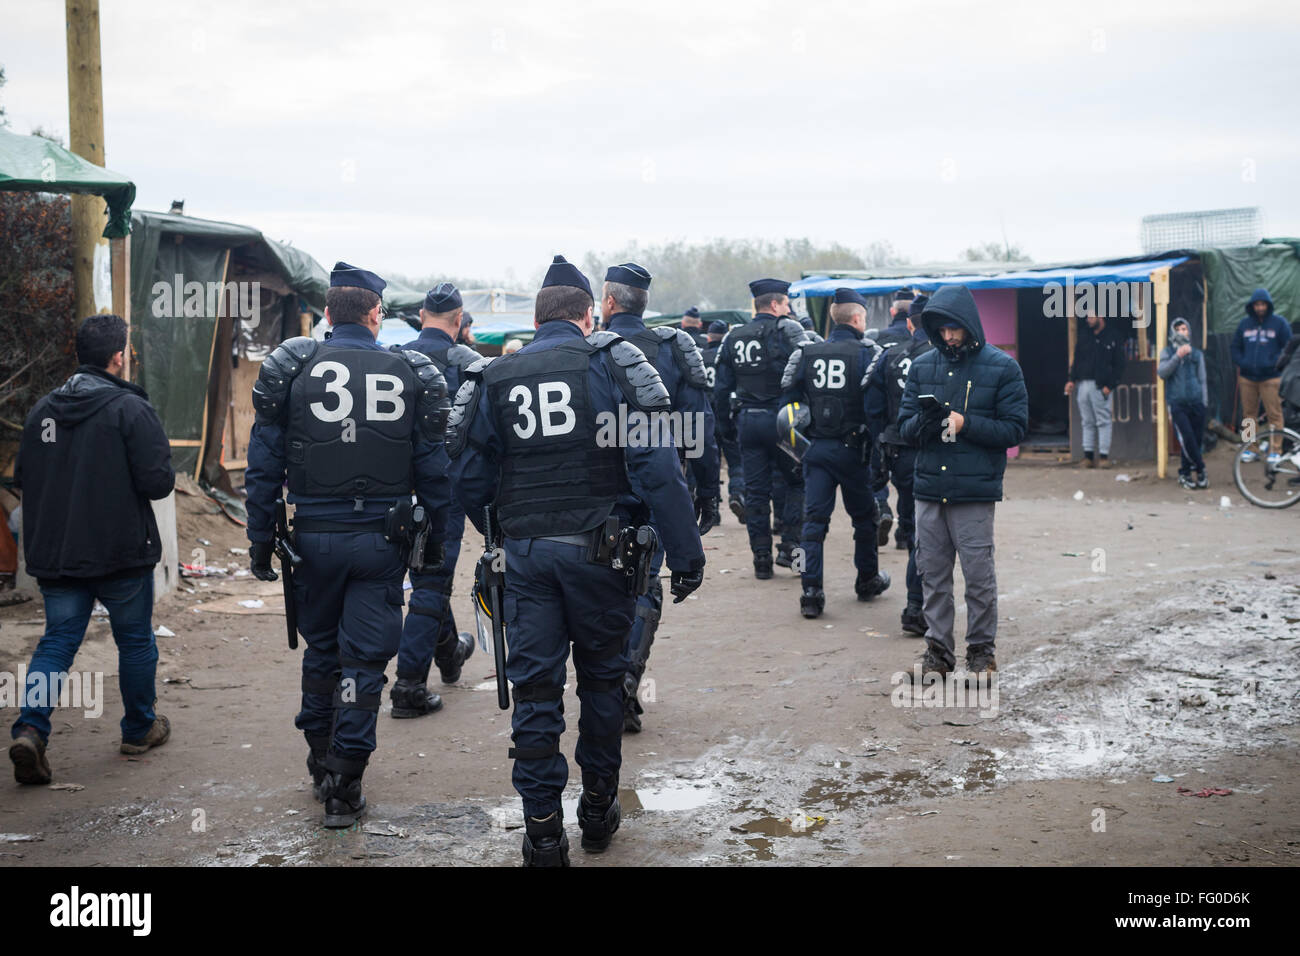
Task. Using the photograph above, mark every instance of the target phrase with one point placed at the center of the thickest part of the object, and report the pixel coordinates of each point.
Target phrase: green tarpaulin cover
(1233, 274)
(33, 164)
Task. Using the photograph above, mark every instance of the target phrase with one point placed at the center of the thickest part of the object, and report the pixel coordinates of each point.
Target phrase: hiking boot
(344, 801)
(980, 664)
(812, 602)
(598, 818)
(412, 699)
(737, 506)
(884, 526)
(1103, 461)
(464, 650)
(763, 565)
(871, 587)
(1088, 461)
(28, 754)
(545, 842)
(157, 736)
(785, 554)
(930, 663)
(914, 620)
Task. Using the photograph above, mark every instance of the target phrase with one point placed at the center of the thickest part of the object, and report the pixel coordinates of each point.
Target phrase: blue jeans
(67, 612)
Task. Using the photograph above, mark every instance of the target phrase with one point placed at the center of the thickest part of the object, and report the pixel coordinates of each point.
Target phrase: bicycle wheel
(1268, 484)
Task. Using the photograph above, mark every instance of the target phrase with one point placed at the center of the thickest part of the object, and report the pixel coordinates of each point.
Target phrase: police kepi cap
(345, 275)
(717, 327)
(845, 295)
(629, 273)
(768, 286)
(563, 272)
(918, 305)
(444, 297)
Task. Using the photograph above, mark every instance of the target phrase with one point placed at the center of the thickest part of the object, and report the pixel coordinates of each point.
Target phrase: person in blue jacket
(1256, 347)
(528, 436)
(964, 405)
(1182, 366)
(355, 429)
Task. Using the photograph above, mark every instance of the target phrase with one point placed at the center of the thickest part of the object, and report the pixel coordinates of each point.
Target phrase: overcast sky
(472, 139)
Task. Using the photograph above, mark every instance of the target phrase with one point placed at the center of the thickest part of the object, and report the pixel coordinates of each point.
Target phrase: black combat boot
(545, 842)
(812, 602)
(914, 620)
(450, 665)
(412, 699)
(316, 765)
(598, 818)
(785, 554)
(737, 506)
(871, 587)
(763, 565)
(344, 802)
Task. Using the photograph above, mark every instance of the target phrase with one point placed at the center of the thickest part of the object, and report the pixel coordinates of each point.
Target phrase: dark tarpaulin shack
(209, 300)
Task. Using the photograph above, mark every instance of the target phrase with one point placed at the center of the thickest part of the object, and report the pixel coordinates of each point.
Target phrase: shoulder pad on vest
(431, 406)
(636, 377)
(689, 358)
(271, 390)
(871, 366)
(791, 331)
(475, 368)
(603, 339)
(791, 369)
(462, 356)
(462, 410)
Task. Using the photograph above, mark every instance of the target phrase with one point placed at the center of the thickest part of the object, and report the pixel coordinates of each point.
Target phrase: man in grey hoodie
(1182, 366)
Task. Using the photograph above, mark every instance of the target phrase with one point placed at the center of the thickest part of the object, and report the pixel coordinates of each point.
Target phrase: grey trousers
(944, 532)
(1094, 410)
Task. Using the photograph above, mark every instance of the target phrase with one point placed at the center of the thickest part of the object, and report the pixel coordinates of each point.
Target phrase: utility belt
(628, 548)
(406, 525)
(858, 440)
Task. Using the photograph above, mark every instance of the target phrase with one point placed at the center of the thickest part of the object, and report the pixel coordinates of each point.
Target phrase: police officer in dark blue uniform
(536, 435)
(356, 429)
(894, 334)
(692, 325)
(750, 361)
(829, 377)
(680, 365)
(429, 633)
(886, 382)
(728, 443)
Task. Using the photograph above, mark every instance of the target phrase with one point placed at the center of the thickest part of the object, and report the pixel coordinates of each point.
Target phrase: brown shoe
(1087, 463)
(156, 737)
(1103, 462)
(28, 754)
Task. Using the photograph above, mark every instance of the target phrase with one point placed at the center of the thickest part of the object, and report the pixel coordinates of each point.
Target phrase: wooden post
(120, 251)
(212, 354)
(1160, 296)
(86, 139)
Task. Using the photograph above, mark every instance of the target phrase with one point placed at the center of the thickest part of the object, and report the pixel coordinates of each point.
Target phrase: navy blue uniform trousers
(430, 620)
(761, 457)
(555, 597)
(829, 463)
(348, 592)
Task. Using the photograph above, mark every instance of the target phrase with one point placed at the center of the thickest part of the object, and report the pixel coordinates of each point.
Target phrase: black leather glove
(259, 560)
(684, 582)
(706, 513)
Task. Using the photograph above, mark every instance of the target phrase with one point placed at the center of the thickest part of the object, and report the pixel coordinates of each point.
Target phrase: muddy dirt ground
(1170, 653)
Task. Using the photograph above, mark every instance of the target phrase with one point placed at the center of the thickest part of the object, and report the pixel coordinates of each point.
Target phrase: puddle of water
(670, 799)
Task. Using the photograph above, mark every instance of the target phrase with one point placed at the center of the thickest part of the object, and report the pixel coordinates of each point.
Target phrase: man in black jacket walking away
(93, 455)
(1098, 365)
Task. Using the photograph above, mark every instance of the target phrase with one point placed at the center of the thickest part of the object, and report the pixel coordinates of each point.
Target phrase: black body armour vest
(833, 383)
(898, 364)
(555, 480)
(351, 422)
(757, 362)
(710, 353)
